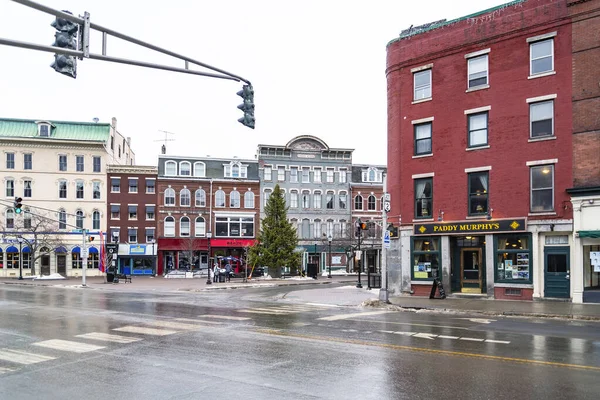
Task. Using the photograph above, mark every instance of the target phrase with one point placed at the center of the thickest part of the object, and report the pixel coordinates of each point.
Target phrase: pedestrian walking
(216, 273)
(228, 272)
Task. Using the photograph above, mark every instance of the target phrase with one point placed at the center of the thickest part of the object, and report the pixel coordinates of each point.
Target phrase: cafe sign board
(464, 227)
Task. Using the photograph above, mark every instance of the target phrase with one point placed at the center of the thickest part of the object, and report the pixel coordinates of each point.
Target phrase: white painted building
(58, 169)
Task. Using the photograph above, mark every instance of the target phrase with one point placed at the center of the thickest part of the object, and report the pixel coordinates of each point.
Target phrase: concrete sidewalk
(345, 295)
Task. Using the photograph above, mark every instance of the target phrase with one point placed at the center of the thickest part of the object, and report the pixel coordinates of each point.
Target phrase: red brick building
(480, 152)
(131, 217)
(208, 208)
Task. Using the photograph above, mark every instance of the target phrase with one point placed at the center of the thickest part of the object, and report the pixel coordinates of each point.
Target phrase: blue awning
(60, 249)
(12, 249)
(92, 249)
(26, 249)
(0, 249)
(76, 250)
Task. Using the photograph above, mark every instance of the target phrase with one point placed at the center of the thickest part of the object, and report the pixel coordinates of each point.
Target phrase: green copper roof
(438, 24)
(60, 130)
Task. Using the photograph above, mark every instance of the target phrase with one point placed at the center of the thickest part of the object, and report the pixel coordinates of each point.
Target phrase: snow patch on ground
(50, 277)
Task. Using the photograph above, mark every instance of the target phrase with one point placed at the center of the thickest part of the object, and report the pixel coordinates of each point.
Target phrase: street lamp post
(20, 239)
(359, 233)
(208, 281)
(329, 239)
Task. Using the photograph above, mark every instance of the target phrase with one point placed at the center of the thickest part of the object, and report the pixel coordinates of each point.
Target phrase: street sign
(387, 207)
(84, 253)
(386, 239)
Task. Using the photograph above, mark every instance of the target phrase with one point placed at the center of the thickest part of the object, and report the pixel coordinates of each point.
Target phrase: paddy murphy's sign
(454, 228)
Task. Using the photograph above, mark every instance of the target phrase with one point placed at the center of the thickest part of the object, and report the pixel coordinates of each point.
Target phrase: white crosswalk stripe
(283, 309)
(145, 331)
(107, 337)
(350, 316)
(68, 345)
(173, 325)
(5, 370)
(497, 341)
(21, 357)
(224, 317)
(199, 321)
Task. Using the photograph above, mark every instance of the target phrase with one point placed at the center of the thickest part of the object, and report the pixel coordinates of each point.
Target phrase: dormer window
(44, 128)
(236, 170)
(372, 174)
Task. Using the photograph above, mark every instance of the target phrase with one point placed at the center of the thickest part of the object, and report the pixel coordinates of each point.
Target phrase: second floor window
(79, 189)
(330, 200)
(478, 193)
(423, 198)
(219, 198)
(267, 174)
(422, 84)
(317, 201)
(150, 213)
(169, 197)
(306, 199)
(294, 174)
(96, 220)
(330, 175)
(343, 200)
(10, 188)
(358, 202)
(541, 116)
(234, 199)
(169, 226)
(62, 189)
(542, 188)
(96, 190)
(150, 186)
(371, 203)
(249, 199)
(200, 198)
(62, 219)
(293, 199)
(423, 138)
(79, 219)
(281, 174)
(115, 185)
(306, 175)
(185, 198)
(26, 188)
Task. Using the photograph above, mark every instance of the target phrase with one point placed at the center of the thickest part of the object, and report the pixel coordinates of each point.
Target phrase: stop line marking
(432, 336)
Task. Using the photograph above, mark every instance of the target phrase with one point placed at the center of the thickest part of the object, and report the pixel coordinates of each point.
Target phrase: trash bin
(375, 280)
(221, 277)
(312, 270)
(110, 275)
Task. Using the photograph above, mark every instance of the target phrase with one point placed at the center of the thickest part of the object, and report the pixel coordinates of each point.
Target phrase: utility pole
(383, 292)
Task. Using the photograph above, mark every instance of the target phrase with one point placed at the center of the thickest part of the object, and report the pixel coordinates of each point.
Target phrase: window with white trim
(184, 227)
(317, 172)
(170, 197)
(542, 188)
(317, 201)
(478, 129)
(170, 168)
(170, 226)
(330, 200)
(358, 202)
(185, 168)
(199, 169)
(330, 175)
(268, 173)
(477, 71)
(306, 199)
(342, 175)
(422, 84)
(423, 138)
(294, 199)
(541, 116)
(281, 174)
(249, 199)
(185, 197)
(200, 198)
(541, 57)
(294, 174)
(305, 175)
(234, 199)
(219, 198)
(200, 227)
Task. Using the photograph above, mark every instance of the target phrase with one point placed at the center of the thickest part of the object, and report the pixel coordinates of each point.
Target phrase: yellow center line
(426, 350)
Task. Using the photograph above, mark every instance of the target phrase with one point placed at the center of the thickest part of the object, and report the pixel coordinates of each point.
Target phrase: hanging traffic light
(65, 38)
(18, 205)
(90, 238)
(364, 226)
(247, 94)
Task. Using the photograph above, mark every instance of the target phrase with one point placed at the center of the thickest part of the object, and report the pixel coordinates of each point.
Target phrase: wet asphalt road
(254, 344)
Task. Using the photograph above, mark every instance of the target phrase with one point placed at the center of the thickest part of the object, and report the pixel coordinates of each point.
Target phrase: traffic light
(65, 38)
(90, 238)
(247, 93)
(393, 230)
(364, 226)
(18, 204)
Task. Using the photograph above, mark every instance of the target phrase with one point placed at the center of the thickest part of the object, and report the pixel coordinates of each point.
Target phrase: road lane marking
(107, 337)
(425, 336)
(403, 333)
(224, 317)
(412, 324)
(480, 320)
(145, 331)
(21, 357)
(68, 345)
(348, 316)
(470, 339)
(496, 341)
(447, 337)
(292, 335)
(5, 370)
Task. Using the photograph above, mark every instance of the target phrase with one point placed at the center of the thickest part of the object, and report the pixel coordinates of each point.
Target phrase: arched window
(169, 226)
(330, 200)
(294, 199)
(371, 206)
(358, 202)
(96, 220)
(79, 219)
(235, 170)
(219, 198)
(305, 199)
(234, 199)
(171, 168)
(200, 198)
(10, 219)
(200, 227)
(184, 198)
(371, 175)
(169, 197)
(185, 168)
(199, 169)
(249, 199)
(62, 219)
(317, 229)
(184, 226)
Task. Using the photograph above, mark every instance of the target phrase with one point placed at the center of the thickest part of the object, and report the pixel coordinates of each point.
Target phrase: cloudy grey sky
(317, 67)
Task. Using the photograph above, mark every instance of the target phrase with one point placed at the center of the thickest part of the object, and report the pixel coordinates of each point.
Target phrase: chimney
(114, 123)
(163, 149)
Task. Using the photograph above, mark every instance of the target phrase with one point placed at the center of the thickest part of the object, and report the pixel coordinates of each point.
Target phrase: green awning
(589, 234)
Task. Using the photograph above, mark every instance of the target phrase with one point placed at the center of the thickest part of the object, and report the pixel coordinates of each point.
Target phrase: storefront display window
(234, 227)
(425, 256)
(513, 259)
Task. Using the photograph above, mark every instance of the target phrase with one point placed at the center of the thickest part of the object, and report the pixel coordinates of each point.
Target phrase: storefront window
(513, 259)
(425, 256)
(76, 260)
(234, 227)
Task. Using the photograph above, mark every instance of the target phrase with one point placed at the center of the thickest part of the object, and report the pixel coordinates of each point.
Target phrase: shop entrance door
(45, 264)
(556, 277)
(470, 270)
(61, 264)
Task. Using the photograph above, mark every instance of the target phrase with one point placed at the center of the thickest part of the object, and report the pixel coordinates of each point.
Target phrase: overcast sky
(317, 67)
